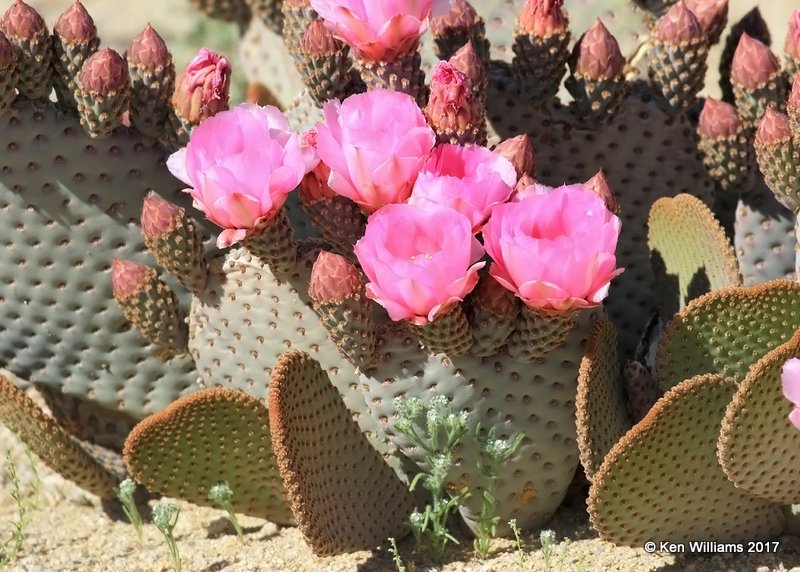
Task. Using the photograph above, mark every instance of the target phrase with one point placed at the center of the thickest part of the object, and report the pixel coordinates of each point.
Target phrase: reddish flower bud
(792, 44)
(148, 50)
(460, 16)
(493, 297)
(718, 119)
(794, 95)
(774, 128)
(519, 151)
(128, 278)
(524, 181)
(712, 15)
(319, 40)
(159, 217)
(599, 185)
(23, 22)
(452, 105)
(753, 63)
(333, 278)
(542, 18)
(678, 25)
(75, 26)
(598, 54)
(203, 88)
(467, 62)
(7, 55)
(104, 73)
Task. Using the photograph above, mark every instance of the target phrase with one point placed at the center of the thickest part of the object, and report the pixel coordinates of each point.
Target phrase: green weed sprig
(26, 505)
(125, 493)
(165, 517)
(221, 494)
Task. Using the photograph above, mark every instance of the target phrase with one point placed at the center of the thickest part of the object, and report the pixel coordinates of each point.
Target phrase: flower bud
(794, 95)
(598, 54)
(75, 26)
(599, 185)
(466, 61)
(202, 90)
(128, 278)
(333, 278)
(23, 23)
(542, 18)
(774, 128)
(104, 73)
(519, 151)
(452, 107)
(461, 16)
(319, 40)
(159, 217)
(792, 44)
(753, 63)
(678, 25)
(718, 119)
(712, 15)
(148, 50)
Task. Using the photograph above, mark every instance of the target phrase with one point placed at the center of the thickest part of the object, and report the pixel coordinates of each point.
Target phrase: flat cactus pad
(662, 480)
(209, 437)
(758, 446)
(602, 414)
(536, 400)
(727, 331)
(344, 495)
(68, 205)
(690, 253)
(48, 441)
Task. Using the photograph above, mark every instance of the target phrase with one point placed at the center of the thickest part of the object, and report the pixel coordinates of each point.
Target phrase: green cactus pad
(764, 236)
(51, 443)
(690, 253)
(211, 436)
(758, 445)
(601, 408)
(634, 150)
(727, 331)
(69, 205)
(343, 494)
(247, 318)
(662, 480)
(536, 400)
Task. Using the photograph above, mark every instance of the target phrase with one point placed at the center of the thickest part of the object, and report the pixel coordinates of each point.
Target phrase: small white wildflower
(127, 487)
(163, 513)
(547, 538)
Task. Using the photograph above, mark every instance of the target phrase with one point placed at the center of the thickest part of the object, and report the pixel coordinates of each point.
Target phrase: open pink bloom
(469, 179)
(790, 382)
(241, 165)
(379, 30)
(555, 250)
(418, 261)
(375, 144)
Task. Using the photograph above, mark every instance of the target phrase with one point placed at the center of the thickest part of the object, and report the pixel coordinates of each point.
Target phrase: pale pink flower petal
(375, 144)
(418, 261)
(790, 384)
(554, 248)
(242, 164)
(469, 179)
(379, 30)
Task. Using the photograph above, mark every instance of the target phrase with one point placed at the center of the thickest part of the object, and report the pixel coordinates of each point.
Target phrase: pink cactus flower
(418, 262)
(554, 249)
(790, 382)
(379, 30)
(375, 144)
(469, 179)
(241, 165)
(202, 90)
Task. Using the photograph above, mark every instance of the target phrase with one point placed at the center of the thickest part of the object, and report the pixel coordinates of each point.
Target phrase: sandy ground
(70, 532)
